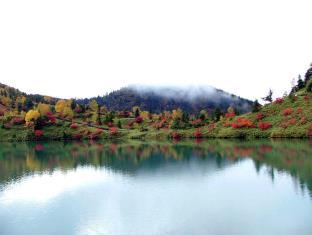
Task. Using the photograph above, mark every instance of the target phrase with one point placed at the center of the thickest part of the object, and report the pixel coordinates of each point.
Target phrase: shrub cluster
(241, 123)
(264, 125)
(288, 111)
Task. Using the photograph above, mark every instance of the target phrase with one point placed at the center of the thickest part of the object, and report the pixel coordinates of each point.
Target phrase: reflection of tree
(293, 157)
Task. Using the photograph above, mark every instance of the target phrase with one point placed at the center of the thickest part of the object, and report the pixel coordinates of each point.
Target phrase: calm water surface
(209, 187)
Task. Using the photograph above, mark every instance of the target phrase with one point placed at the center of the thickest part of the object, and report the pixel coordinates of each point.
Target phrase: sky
(80, 48)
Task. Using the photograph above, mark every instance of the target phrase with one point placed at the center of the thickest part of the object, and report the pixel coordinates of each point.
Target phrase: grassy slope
(273, 113)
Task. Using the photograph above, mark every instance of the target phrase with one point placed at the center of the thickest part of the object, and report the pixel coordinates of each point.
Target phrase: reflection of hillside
(293, 157)
(18, 159)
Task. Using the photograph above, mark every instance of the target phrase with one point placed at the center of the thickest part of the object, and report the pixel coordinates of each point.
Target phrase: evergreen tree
(269, 98)
(99, 120)
(73, 104)
(217, 114)
(256, 106)
(300, 83)
(137, 113)
(185, 117)
(308, 75)
(29, 104)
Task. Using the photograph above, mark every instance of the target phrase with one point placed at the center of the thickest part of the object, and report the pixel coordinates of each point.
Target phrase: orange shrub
(241, 123)
(74, 126)
(198, 133)
(279, 101)
(197, 122)
(260, 116)
(230, 115)
(175, 135)
(113, 131)
(264, 125)
(288, 111)
(299, 110)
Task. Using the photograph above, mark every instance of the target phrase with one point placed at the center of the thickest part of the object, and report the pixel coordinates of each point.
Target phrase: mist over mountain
(158, 99)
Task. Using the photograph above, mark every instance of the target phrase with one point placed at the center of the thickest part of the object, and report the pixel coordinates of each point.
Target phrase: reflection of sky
(40, 188)
(174, 200)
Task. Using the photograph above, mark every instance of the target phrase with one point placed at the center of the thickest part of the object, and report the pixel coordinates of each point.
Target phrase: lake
(188, 187)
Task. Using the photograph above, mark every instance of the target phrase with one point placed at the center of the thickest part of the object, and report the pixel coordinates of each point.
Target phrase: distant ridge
(158, 99)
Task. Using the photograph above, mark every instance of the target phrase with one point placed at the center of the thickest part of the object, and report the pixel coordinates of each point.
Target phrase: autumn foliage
(74, 126)
(288, 111)
(264, 125)
(260, 116)
(175, 135)
(198, 133)
(279, 101)
(38, 133)
(113, 131)
(241, 123)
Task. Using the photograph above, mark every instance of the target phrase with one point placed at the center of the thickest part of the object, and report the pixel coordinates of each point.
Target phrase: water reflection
(20, 159)
(215, 186)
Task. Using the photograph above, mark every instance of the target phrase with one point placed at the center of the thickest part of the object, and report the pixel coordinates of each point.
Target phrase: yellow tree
(43, 109)
(60, 105)
(94, 106)
(68, 112)
(32, 115)
(145, 115)
(177, 114)
(230, 110)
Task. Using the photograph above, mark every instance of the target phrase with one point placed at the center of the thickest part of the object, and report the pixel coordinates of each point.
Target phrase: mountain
(158, 99)
(11, 98)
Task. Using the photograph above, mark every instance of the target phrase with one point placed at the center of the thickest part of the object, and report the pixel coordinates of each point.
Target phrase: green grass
(273, 114)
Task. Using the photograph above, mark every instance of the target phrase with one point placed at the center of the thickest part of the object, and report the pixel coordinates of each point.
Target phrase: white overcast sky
(75, 48)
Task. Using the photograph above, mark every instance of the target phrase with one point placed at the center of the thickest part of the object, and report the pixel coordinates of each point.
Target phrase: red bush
(51, 117)
(139, 119)
(292, 121)
(306, 98)
(279, 101)
(303, 121)
(260, 116)
(198, 133)
(175, 135)
(38, 133)
(96, 134)
(197, 122)
(74, 126)
(230, 115)
(242, 122)
(113, 131)
(18, 121)
(299, 110)
(288, 111)
(264, 125)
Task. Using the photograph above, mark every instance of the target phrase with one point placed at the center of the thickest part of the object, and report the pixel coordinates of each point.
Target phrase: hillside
(14, 99)
(156, 100)
(34, 117)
